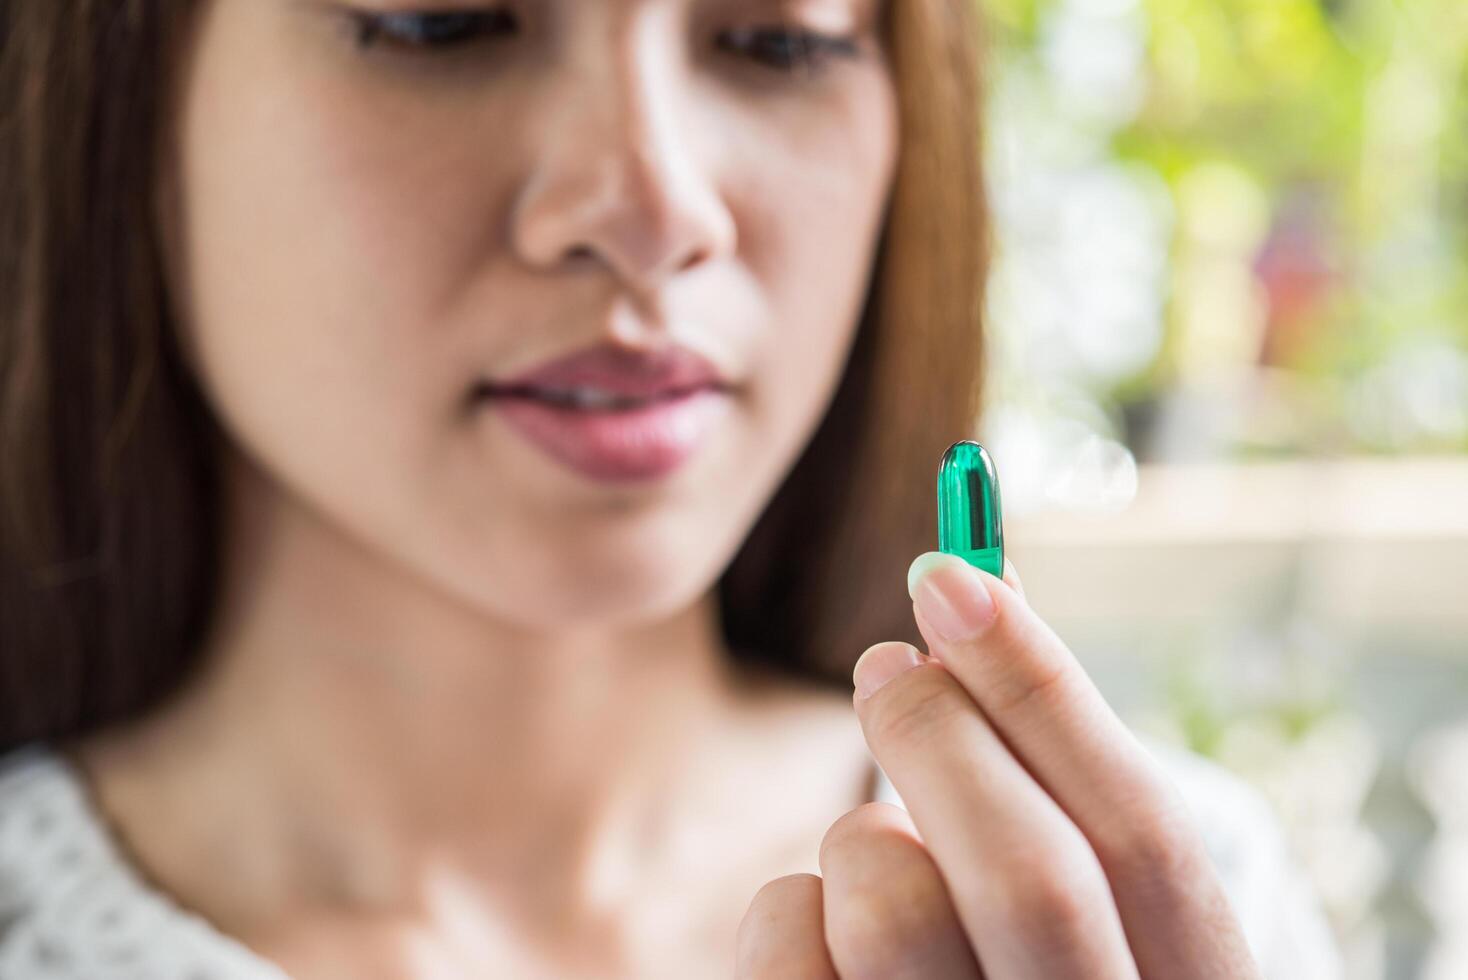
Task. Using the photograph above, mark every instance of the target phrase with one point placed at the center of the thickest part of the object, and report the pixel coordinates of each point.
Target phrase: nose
(619, 178)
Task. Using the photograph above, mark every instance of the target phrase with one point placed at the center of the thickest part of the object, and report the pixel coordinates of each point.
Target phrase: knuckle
(848, 831)
(1055, 904)
(861, 818)
(1052, 898)
(774, 899)
(779, 937)
(887, 906)
(1042, 687)
(1040, 674)
(1157, 852)
(877, 928)
(921, 710)
(799, 886)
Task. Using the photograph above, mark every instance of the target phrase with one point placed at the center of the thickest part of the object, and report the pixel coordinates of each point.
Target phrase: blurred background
(1229, 405)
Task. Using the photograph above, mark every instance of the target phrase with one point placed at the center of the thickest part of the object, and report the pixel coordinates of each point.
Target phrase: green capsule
(969, 523)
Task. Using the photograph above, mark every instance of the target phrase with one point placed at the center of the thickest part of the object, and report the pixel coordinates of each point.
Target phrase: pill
(969, 522)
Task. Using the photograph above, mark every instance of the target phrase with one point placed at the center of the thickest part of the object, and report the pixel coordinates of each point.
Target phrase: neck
(364, 741)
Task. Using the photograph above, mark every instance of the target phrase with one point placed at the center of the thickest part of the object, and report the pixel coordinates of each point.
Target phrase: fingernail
(955, 600)
(880, 663)
(925, 563)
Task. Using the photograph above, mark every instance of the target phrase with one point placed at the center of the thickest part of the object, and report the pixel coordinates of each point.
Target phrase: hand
(1043, 840)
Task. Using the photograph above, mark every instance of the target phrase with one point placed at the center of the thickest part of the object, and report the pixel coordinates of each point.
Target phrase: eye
(430, 30)
(785, 49)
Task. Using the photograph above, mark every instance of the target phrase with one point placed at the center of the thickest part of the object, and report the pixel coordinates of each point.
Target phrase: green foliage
(1348, 122)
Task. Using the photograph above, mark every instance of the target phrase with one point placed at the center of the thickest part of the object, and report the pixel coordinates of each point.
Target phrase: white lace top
(72, 908)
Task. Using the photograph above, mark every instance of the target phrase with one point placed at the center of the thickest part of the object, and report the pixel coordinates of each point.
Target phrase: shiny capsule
(969, 522)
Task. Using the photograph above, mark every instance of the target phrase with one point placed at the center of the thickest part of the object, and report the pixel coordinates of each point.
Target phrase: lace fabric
(73, 908)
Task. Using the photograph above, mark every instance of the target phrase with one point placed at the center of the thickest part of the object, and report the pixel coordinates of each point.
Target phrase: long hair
(110, 509)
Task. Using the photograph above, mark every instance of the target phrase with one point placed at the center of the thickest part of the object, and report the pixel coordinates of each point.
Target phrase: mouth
(613, 414)
(589, 398)
(606, 376)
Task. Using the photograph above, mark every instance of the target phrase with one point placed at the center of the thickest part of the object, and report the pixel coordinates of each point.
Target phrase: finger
(781, 936)
(1024, 883)
(928, 559)
(1052, 716)
(1011, 578)
(887, 911)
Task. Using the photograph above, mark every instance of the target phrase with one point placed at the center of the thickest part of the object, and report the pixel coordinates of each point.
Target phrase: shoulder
(71, 906)
(1275, 903)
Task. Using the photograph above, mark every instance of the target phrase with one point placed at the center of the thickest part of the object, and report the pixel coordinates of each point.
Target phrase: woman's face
(385, 207)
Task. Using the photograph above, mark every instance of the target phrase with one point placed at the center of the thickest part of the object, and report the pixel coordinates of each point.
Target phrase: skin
(435, 732)
(465, 708)
(1039, 839)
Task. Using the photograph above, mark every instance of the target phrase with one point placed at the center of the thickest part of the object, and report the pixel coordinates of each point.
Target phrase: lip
(688, 399)
(619, 371)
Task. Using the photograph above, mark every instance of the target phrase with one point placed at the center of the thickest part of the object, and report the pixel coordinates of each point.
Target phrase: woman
(452, 457)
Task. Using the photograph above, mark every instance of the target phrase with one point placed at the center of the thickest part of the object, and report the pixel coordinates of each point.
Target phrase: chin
(588, 587)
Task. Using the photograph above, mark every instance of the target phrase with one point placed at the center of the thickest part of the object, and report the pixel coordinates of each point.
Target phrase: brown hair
(109, 514)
